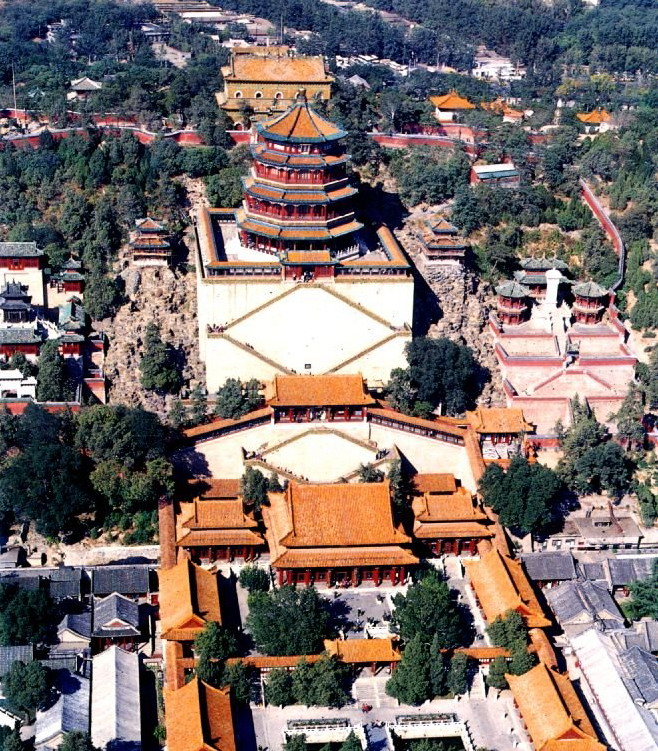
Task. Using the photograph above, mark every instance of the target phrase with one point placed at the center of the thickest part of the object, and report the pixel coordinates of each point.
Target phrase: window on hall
(278, 95)
(238, 95)
(259, 95)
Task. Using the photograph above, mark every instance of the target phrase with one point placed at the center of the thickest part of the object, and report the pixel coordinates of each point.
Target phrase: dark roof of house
(24, 581)
(592, 571)
(549, 566)
(20, 336)
(640, 674)
(10, 655)
(66, 582)
(571, 599)
(625, 571)
(80, 623)
(644, 634)
(19, 250)
(70, 711)
(116, 608)
(127, 580)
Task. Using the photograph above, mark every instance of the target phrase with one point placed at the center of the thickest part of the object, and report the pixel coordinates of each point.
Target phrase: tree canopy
(288, 621)
(158, 368)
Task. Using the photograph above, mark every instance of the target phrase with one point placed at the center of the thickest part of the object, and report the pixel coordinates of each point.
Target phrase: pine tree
(52, 373)
(254, 487)
(158, 369)
(278, 689)
(238, 677)
(521, 660)
(458, 674)
(410, 683)
(177, 414)
(497, 670)
(437, 668)
(351, 743)
(199, 409)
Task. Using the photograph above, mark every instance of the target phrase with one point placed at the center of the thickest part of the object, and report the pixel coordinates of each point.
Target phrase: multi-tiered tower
(292, 281)
(298, 197)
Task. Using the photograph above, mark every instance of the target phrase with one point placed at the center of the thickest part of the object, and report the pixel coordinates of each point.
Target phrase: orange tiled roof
(482, 653)
(498, 420)
(210, 427)
(215, 537)
(308, 256)
(457, 506)
(220, 514)
(596, 117)
(435, 483)
(334, 525)
(362, 651)
(216, 489)
(451, 101)
(300, 124)
(541, 645)
(319, 391)
(278, 69)
(189, 598)
(343, 514)
(502, 108)
(199, 718)
(452, 530)
(267, 662)
(445, 426)
(552, 712)
(501, 585)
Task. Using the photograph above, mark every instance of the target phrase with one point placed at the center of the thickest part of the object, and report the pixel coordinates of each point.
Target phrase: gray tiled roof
(625, 571)
(549, 566)
(80, 623)
(10, 655)
(592, 571)
(127, 580)
(113, 608)
(571, 600)
(66, 582)
(70, 711)
(640, 674)
(22, 250)
(20, 336)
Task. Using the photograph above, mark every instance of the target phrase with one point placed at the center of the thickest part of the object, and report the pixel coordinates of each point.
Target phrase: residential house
(550, 568)
(70, 712)
(115, 700)
(579, 605)
(116, 622)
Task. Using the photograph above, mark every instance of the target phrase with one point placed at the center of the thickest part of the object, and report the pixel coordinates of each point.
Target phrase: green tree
(101, 295)
(235, 399)
(437, 668)
(508, 630)
(351, 743)
(370, 473)
(26, 686)
(13, 741)
(254, 486)
(328, 684)
(629, 419)
(225, 187)
(302, 683)
(429, 609)
(278, 689)
(458, 674)
(254, 579)
(295, 743)
(410, 683)
(521, 660)
(199, 410)
(525, 495)
(440, 373)
(213, 646)
(158, 370)
(288, 621)
(51, 381)
(177, 414)
(497, 671)
(644, 596)
(238, 677)
(76, 740)
(26, 616)
(401, 490)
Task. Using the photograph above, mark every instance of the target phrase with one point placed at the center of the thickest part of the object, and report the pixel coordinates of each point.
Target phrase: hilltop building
(447, 108)
(293, 282)
(266, 80)
(149, 243)
(440, 242)
(598, 120)
(497, 175)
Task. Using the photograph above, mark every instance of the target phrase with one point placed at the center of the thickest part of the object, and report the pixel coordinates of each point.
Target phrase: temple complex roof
(334, 525)
(589, 289)
(300, 124)
(543, 264)
(199, 718)
(500, 585)
(277, 69)
(451, 101)
(363, 651)
(512, 289)
(298, 161)
(19, 250)
(552, 711)
(498, 420)
(319, 391)
(596, 117)
(189, 598)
